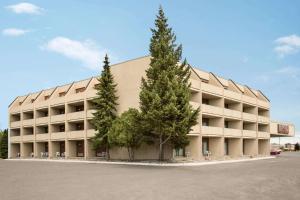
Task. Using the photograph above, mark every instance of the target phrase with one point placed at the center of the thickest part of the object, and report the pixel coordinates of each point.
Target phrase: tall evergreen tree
(4, 144)
(105, 103)
(165, 92)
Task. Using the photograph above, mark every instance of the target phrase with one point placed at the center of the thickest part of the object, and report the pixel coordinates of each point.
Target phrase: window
(61, 94)
(205, 122)
(46, 97)
(20, 103)
(78, 90)
(226, 105)
(226, 124)
(205, 101)
(79, 127)
(96, 85)
(62, 128)
(46, 129)
(61, 111)
(32, 100)
(79, 108)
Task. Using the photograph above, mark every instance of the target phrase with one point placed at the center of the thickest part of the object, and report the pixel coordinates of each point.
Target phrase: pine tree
(165, 94)
(4, 144)
(105, 103)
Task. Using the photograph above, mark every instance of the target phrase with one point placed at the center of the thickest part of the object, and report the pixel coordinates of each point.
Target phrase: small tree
(297, 147)
(105, 103)
(4, 144)
(165, 92)
(126, 132)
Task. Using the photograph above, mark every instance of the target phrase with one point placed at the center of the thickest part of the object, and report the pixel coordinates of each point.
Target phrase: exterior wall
(228, 111)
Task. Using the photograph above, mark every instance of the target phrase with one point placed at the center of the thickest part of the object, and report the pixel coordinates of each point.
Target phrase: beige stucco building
(234, 119)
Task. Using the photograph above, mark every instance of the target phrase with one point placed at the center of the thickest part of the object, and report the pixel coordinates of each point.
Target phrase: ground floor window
(205, 147)
(179, 152)
(226, 143)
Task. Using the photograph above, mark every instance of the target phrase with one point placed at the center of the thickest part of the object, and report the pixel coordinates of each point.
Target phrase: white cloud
(26, 8)
(287, 45)
(293, 72)
(85, 51)
(14, 32)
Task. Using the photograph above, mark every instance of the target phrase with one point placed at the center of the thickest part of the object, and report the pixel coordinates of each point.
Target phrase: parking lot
(265, 179)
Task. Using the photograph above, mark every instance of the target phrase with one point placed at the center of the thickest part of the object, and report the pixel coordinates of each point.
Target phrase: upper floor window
(82, 89)
(47, 97)
(96, 85)
(61, 94)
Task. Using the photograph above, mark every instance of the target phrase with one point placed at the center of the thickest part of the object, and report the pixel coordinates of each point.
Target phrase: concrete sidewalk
(199, 163)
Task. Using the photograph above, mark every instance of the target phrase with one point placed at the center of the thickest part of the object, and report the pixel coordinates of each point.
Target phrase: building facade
(234, 120)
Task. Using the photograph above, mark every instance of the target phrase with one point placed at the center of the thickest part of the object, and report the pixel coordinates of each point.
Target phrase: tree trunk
(107, 153)
(161, 149)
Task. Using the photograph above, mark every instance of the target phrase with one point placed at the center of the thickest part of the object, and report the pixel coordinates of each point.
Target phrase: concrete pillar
(264, 147)
(235, 147)
(250, 147)
(194, 148)
(67, 154)
(216, 147)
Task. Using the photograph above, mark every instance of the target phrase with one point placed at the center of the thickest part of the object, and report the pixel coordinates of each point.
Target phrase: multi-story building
(234, 119)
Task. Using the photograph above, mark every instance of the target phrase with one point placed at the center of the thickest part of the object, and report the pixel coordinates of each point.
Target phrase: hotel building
(234, 120)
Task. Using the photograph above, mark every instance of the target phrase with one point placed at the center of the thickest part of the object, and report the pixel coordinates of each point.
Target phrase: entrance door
(46, 147)
(205, 147)
(226, 143)
(80, 148)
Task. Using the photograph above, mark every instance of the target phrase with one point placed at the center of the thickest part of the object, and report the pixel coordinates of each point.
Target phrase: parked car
(275, 152)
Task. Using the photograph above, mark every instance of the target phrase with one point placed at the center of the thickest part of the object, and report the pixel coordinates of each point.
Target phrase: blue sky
(46, 43)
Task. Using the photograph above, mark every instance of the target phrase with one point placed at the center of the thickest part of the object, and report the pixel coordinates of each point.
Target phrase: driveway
(264, 179)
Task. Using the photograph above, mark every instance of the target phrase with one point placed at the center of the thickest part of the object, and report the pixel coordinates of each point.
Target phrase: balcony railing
(76, 97)
(263, 119)
(232, 132)
(42, 120)
(209, 109)
(212, 131)
(248, 99)
(15, 124)
(262, 134)
(28, 122)
(232, 113)
(249, 117)
(42, 136)
(195, 129)
(195, 84)
(58, 135)
(28, 106)
(263, 103)
(76, 134)
(75, 115)
(249, 133)
(57, 118)
(28, 137)
(90, 133)
(15, 139)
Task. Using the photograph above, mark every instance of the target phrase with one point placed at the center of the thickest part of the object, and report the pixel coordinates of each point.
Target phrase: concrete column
(216, 147)
(235, 147)
(37, 151)
(250, 147)
(264, 147)
(194, 148)
(67, 151)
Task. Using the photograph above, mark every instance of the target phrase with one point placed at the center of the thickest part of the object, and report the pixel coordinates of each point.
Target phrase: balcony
(263, 119)
(89, 114)
(212, 131)
(90, 133)
(15, 139)
(262, 134)
(75, 115)
(58, 136)
(15, 124)
(28, 122)
(249, 133)
(42, 120)
(230, 132)
(58, 101)
(195, 105)
(265, 104)
(232, 95)
(57, 118)
(249, 117)
(76, 134)
(195, 85)
(214, 110)
(44, 136)
(232, 113)
(211, 89)
(248, 99)
(41, 104)
(28, 138)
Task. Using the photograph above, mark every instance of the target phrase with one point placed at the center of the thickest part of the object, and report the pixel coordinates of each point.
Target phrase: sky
(49, 43)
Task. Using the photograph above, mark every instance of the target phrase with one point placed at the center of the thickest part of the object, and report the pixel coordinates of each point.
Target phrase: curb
(147, 164)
